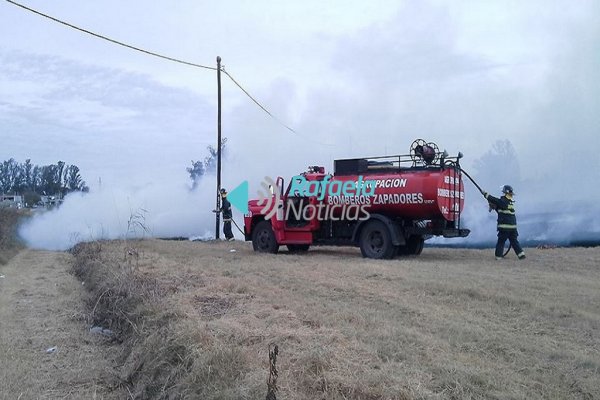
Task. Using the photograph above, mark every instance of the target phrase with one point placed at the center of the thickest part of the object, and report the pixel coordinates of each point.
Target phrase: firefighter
(226, 210)
(507, 221)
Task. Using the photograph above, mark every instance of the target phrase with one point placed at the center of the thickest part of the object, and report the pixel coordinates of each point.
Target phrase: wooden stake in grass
(272, 381)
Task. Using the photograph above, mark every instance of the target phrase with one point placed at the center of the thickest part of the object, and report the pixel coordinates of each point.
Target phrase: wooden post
(218, 214)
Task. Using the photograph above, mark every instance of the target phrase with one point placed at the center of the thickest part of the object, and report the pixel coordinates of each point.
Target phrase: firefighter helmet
(223, 191)
(507, 189)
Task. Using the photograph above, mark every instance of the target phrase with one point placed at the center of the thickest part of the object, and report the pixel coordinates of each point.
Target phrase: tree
(196, 172)
(58, 179)
(28, 174)
(499, 165)
(210, 161)
(11, 178)
(18, 179)
(72, 179)
(48, 184)
(209, 165)
(5, 179)
(36, 178)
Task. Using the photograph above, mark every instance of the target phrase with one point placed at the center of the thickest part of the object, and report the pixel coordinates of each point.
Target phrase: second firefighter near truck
(227, 215)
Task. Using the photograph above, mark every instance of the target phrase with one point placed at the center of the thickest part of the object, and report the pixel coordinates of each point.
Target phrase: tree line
(54, 179)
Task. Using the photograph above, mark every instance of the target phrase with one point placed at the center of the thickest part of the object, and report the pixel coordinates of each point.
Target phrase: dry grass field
(40, 308)
(194, 320)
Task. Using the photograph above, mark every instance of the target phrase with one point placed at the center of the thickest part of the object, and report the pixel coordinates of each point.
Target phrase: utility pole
(218, 214)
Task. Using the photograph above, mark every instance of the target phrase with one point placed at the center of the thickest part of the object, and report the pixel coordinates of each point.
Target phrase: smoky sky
(380, 86)
(108, 122)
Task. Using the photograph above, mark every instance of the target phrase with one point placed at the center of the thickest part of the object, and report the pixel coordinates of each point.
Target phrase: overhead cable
(256, 101)
(111, 40)
(154, 54)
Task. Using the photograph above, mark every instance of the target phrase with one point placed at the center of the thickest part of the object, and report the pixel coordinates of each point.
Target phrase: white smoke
(162, 209)
(546, 214)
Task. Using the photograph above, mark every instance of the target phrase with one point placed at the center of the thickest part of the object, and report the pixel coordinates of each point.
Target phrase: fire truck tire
(263, 238)
(376, 241)
(414, 246)
(419, 246)
(298, 248)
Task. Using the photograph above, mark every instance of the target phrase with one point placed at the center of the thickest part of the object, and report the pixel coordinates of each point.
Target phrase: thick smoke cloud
(165, 210)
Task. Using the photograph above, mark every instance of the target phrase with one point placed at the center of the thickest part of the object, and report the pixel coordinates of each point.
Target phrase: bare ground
(196, 320)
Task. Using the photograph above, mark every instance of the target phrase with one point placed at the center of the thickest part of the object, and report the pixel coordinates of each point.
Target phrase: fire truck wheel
(298, 248)
(414, 246)
(418, 246)
(376, 241)
(263, 238)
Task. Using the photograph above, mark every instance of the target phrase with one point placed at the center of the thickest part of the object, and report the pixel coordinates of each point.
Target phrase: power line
(109, 39)
(268, 112)
(151, 53)
(256, 101)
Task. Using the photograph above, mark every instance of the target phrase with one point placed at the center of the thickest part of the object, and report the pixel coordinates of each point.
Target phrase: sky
(352, 78)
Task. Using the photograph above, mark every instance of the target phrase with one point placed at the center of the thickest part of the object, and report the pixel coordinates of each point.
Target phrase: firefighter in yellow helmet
(227, 215)
(507, 222)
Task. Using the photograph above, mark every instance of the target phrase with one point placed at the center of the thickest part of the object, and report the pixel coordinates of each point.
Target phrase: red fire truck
(387, 206)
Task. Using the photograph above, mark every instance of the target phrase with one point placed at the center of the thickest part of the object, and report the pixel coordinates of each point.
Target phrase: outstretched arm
(496, 202)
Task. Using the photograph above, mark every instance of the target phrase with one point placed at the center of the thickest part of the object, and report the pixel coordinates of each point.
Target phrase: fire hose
(483, 193)
(237, 226)
(473, 181)
(232, 220)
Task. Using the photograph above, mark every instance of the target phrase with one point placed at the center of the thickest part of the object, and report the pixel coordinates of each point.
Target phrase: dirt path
(41, 308)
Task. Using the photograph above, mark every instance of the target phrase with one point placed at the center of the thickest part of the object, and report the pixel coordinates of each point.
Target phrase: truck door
(278, 219)
(300, 212)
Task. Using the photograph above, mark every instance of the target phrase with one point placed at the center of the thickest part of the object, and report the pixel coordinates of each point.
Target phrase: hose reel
(422, 152)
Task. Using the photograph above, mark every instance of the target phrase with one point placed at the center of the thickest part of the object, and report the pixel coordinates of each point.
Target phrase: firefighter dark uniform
(507, 222)
(227, 215)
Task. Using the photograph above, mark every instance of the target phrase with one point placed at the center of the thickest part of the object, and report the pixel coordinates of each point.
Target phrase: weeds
(136, 224)
(162, 357)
